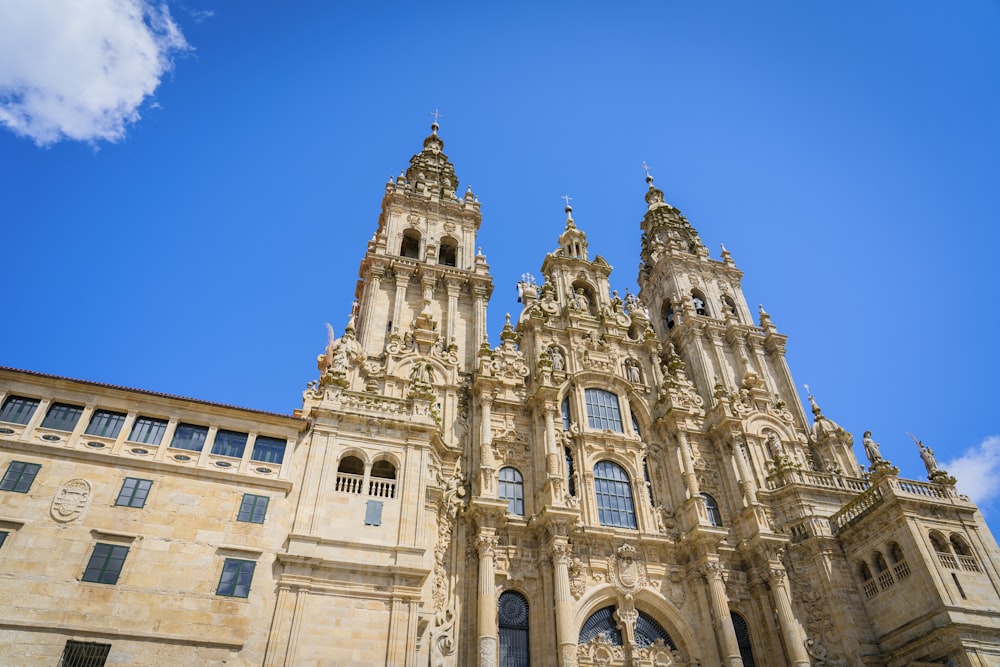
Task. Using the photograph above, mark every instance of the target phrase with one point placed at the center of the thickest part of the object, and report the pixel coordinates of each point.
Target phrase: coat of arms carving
(71, 500)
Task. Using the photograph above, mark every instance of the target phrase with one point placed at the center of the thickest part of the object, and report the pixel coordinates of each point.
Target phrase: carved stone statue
(558, 361)
(632, 371)
(422, 373)
(871, 449)
(927, 454)
(579, 301)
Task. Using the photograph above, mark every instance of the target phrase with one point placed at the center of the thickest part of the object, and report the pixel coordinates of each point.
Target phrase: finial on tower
(817, 413)
(434, 125)
(569, 212)
(649, 176)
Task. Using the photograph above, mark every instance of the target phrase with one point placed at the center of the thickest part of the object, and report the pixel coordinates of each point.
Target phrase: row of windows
(612, 489)
(20, 475)
(145, 430)
(410, 247)
(107, 560)
(700, 307)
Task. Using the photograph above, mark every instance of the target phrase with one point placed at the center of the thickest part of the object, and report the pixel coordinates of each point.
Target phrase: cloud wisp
(978, 470)
(80, 70)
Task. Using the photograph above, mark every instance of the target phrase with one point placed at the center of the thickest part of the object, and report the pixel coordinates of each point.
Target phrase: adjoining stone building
(622, 480)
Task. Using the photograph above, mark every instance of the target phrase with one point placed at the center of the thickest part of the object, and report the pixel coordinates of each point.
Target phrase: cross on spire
(568, 200)
(436, 115)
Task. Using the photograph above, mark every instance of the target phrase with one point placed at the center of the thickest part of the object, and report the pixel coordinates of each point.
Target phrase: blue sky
(186, 197)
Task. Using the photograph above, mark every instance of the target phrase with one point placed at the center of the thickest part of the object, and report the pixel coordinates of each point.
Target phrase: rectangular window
(268, 450)
(105, 424)
(253, 508)
(134, 492)
(105, 564)
(236, 577)
(18, 410)
(19, 476)
(229, 443)
(84, 654)
(190, 437)
(62, 417)
(148, 431)
(373, 513)
(603, 411)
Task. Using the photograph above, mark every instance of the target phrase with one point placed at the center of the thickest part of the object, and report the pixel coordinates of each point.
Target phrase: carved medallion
(625, 571)
(71, 500)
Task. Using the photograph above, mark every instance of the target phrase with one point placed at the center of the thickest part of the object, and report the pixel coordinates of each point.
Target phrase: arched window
(601, 622)
(668, 315)
(940, 545)
(512, 615)
(410, 246)
(635, 426)
(448, 252)
(880, 563)
(647, 631)
(712, 507)
(729, 306)
(512, 490)
(566, 418)
(603, 411)
(743, 639)
(864, 573)
(614, 495)
(698, 300)
(959, 545)
(350, 474)
(383, 480)
(896, 553)
(570, 473)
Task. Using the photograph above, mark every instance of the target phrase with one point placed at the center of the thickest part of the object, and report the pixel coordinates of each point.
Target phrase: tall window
(448, 252)
(18, 410)
(268, 450)
(410, 246)
(62, 417)
(229, 443)
(252, 508)
(570, 473)
(614, 495)
(603, 411)
(237, 574)
(19, 476)
(712, 507)
(189, 437)
(148, 431)
(105, 424)
(512, 614)
(566, 417)
(105, 564)
(668, 315)
(134, 492)
(698, 300)
(743, 639)
(512, 490)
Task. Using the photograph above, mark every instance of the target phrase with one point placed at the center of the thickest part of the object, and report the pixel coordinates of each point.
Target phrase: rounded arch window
(601, 622)
(880, 563)
(410, 245)
(712, 508)
(699, 303)
(613, 489)
(511, 489)
(667, 314)
(864, 572)
(647, 631)
(512, 619)
(742, 631)
(939, 543)
(729, 306)
(896, 553)
(448, 251)
(384, 469)
(351, 465)
(960, 546)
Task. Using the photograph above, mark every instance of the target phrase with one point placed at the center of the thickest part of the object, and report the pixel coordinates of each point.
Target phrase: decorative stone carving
(71, 500)
(600, 651)
(577, 578)
(487, 652)
(625, 571)
(673, 588)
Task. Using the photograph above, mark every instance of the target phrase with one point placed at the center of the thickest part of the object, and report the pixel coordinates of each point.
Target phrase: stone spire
(572, 242)
(431, 168)
(665, 229)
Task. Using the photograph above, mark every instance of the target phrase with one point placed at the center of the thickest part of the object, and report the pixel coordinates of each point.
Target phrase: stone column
(486, 617)
(724, 632)
(453, 287)
(746, 477)
(402, 281)
(687, 462)
(551, 449)
(565, 632)
(369, 296)
(786, 619)
(480, 323)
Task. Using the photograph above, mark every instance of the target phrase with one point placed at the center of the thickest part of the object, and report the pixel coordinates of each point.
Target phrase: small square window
(268, 450)
(236, 577)
(19, 476)
(105, 564)
(148, 431)
(18, 409)
(253, 508)
(62, 417)
(134, 492)
(373, 513)
(229, 443)
(190, 437)
(84, 654)
(105, 424)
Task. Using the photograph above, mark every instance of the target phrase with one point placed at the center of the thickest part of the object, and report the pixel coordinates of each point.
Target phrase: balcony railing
(382, 488)
(969, 563)
(901, 570)
(855, 509)
(948, 561)
(812, 478)
(348, 483)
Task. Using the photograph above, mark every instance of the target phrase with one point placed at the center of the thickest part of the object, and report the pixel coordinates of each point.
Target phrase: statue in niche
(339, 362)
(871, 449)
(422, 373)
(632, 371)
(558, 361)
(579, 301)
(774, 445)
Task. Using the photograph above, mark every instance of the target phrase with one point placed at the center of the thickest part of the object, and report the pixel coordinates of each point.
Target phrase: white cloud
(80, 69)
(978, 471)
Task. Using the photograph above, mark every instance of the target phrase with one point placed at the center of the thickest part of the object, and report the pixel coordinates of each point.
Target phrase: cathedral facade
(621, 480)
